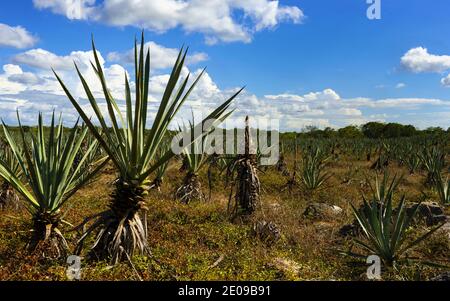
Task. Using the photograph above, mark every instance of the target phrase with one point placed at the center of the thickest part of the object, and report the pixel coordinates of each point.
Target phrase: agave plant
(412, 160)
(385, 227)
(433, 160)
(8, 195)
(313, 175)
(47, 171)
(122, 228)
(443, 188)
(194, 158)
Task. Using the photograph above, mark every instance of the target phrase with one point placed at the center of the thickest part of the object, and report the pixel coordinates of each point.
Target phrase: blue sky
(305, 62)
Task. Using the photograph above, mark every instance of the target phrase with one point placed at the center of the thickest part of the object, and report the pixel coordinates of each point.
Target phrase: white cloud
(29, 85)
(446, 81)
(349, 112)
(40, 78)
(216, 19)
(405, 103)
(72, 9)
(161, 57)
(26, 78)
(400, 85)
(419, 60)
(43, 59)
(7, 86)
(287, 97)
(17, 37)
(325, 95)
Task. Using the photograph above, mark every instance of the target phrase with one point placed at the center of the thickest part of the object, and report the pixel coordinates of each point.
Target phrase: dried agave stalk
(247, 185)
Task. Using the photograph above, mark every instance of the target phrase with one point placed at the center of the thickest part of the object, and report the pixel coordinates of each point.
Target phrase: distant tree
(434, 131)
(329, 132)
(310, 128)
(288, 135)
(313, 131)
(392, 130)
(350, 131)
(373, 129)
(409, 131)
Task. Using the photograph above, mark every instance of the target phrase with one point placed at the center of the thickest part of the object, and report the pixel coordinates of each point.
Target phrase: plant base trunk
(47, 240)
(247, 185)
(122, 230)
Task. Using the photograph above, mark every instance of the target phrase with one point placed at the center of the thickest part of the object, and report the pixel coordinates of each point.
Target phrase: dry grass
(198, 242)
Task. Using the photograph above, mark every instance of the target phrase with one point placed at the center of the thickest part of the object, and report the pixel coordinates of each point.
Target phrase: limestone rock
(429, 212)
(322, 210)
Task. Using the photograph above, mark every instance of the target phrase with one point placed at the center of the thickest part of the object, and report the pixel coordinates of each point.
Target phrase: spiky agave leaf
(121, 230)
(47, 170)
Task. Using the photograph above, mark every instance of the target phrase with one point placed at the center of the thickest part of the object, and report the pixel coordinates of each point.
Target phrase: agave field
(110, 190)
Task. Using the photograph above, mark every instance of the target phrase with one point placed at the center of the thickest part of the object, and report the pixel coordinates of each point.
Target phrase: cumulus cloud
(292, 97)
(26, 78)
(403, 103)
(72, 9)
(161, 57)
(17, 37)
(349, 112)
(27, 84)
(215, 19)
(40, 78)
(446, 81)
(6, 85)
(419, 60)
(43, 59)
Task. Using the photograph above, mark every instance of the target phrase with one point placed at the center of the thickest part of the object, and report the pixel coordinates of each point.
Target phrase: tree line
(373, 130)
